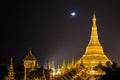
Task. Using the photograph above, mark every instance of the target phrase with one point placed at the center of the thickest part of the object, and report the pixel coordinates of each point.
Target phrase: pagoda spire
(94, 34)
(11, 64)
(58, 67)
(11, 72)
(94, 52)
(94, 45)
(63, 68)
(48, 64)
(10, 75)
(30, 56)
(73, 61)
(94, 18)
(53, 64)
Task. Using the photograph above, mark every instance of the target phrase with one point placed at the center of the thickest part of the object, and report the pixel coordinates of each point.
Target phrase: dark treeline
(112, 72)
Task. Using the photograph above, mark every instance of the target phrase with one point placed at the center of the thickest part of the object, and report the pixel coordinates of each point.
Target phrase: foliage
(19, 72)
(38, 73)
(3, 71)
(112, 72)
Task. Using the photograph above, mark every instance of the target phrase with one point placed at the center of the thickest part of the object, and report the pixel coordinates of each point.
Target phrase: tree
(112, 72)
(3, 71)
(19, 72)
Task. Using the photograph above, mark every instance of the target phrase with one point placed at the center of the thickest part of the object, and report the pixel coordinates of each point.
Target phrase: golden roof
(30, 56)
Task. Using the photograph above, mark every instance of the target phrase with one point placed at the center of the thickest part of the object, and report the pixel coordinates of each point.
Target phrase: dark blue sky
(47, 27)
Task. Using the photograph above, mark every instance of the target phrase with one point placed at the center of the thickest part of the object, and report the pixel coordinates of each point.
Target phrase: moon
(73, 13)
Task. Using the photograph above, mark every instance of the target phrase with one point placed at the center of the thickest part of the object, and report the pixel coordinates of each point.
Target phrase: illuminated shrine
(94, 53)
(10, 75)
(86, 68)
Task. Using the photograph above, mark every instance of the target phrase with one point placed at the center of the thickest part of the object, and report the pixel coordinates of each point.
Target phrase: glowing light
(73, 14)
(58, 72)
(55, 71)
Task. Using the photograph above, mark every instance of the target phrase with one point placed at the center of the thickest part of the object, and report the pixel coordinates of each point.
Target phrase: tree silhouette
(112, 72)
(3, 71)
(19, 72)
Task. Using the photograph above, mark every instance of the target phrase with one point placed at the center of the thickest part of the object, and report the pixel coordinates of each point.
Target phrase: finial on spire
(11, 60)
(94, 18)
(11, 63)
(30, 49)
(58, 67)
(30, 52)
(73, 61)
(53, 65)
(48, 64)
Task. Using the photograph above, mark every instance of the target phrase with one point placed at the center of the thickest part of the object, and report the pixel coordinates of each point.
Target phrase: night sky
(47, 27)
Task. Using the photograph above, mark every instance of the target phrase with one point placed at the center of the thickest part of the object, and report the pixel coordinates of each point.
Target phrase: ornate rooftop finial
(53, 65)
(73, 61)
(48, 64)
(11, 63)
(94, 18)
(30, 56)
(30, 52)
(94, 34)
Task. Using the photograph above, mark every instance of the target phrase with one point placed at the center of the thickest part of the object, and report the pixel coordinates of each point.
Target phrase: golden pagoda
(94, 53)
(10, 75)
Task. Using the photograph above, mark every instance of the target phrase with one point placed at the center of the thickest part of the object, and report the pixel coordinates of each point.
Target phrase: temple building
(10, 75)
(30, 63)
(88, 67)
(94, 53)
